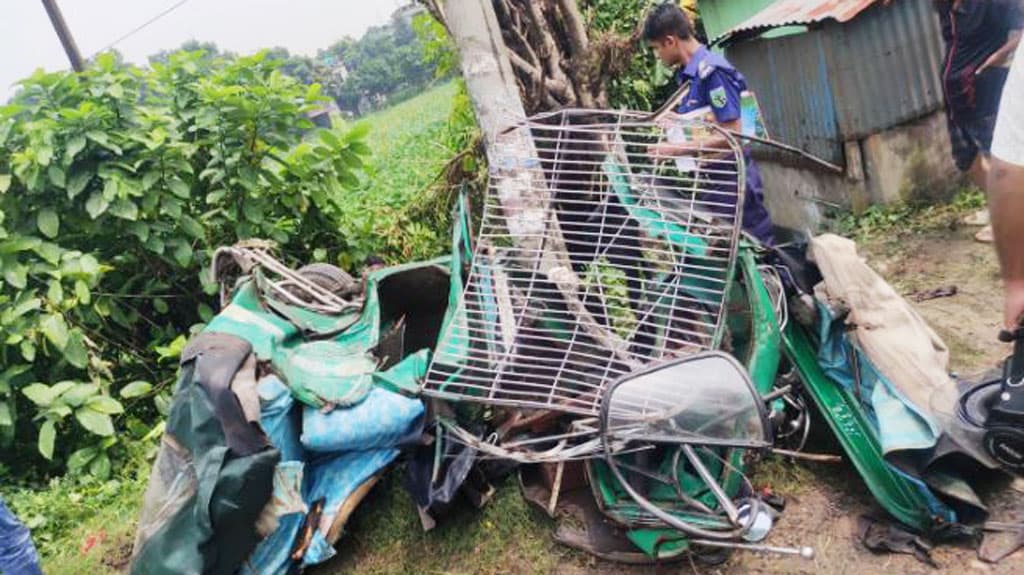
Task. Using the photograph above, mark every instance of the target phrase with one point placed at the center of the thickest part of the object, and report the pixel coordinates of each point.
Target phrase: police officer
(716, 84)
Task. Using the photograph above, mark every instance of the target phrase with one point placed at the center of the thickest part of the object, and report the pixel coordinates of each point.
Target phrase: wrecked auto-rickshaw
(609, 329)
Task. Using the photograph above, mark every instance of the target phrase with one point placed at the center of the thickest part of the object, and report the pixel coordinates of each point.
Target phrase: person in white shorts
(1006, 190)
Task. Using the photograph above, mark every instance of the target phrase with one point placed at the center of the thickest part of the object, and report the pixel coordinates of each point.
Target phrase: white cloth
(1008, 140)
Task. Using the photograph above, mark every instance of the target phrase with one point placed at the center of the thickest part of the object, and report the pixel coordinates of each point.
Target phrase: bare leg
(978, 173)
(979, 170)
(1006, 204)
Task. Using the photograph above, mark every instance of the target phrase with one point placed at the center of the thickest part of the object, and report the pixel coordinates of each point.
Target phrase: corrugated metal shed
(790, 76)
(885, 67)
(797, 12)
(845, 81)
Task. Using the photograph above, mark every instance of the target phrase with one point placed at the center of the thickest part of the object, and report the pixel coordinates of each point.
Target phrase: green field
(411, 143)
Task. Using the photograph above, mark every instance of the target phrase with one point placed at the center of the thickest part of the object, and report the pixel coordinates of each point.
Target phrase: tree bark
(520, 186)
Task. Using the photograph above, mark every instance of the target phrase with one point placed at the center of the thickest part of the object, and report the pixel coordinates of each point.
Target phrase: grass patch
(385, 538)
(410, 144)
(82, 527)
(903, 218)
(783, 475)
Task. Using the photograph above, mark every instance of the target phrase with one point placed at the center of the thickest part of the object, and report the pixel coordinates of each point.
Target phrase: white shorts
(1008, 140)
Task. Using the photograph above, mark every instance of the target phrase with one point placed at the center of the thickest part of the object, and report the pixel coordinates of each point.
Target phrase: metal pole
(61, 27)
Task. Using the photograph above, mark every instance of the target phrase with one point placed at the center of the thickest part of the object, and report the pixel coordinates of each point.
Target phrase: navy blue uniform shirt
(715, 83)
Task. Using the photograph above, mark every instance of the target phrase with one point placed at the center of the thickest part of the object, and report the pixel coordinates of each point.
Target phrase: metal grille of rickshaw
(595, 256)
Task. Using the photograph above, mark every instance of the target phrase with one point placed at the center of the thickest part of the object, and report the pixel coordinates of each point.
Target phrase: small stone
(975, 564)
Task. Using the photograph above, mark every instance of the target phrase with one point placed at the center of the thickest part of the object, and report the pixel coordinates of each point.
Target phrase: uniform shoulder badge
(704, 69)
(718, 97)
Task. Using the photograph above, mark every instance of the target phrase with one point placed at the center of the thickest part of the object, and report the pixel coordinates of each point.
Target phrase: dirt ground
(825, 500)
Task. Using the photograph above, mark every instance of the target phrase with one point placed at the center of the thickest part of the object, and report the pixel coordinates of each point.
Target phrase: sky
(28, 41)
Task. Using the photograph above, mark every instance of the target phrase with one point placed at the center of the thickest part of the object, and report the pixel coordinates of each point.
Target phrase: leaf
(140, 230)
(57, 411)
(5, 182)
(6, 417)
(47, 437)
(49, 252)
(75, 145)
(77, 395)
(183, 254)
(253, 211)
(89, 265)
(39, 394)
(178, 188)
(110, 187)
(160, 306)
(57, 175)
(75, 352)
(48, 223)
(156, 432)
(20, 244)
(55, 292)
(100, 467)
(61, 387)
(96, 204)
(105, 404)
(136, 389)
(16, 274)
(215, 196)
(82, 292)
(172, 350)
(330, 138)
(358, 132)
(125, 209)
(28, 350)
(192, 227)
(80, 458)
(205, 313)
(163, 404)
(171, 207)
(55, 329)
(94, 421)
(43, 155)
(77, 182)
(149, 179)
(98, 137)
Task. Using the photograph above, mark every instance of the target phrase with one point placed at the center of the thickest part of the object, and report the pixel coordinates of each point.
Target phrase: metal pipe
(804, 552)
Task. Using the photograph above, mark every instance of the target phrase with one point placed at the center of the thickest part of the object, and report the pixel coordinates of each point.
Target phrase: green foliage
(904, 217)
(646, 83)
(115, 185)
(609, 283)
(82, 524)
(402, 213)
(438, 49)
(384, 66)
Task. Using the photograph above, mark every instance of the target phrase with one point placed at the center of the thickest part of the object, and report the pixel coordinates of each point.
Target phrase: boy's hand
(667, 150)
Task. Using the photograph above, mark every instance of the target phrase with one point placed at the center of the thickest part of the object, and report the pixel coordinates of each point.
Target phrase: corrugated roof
(797, 12)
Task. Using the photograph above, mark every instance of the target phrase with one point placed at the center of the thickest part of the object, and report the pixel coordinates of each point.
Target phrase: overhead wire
(140, 27)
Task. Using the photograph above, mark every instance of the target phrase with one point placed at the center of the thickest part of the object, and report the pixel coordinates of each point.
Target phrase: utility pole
(53, 11)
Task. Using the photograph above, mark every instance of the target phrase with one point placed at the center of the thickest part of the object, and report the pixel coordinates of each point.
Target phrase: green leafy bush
(115, 185)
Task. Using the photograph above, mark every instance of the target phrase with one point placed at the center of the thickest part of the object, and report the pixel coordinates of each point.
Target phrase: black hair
(667, 19)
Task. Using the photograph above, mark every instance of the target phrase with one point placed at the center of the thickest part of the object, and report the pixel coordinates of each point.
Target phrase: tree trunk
(520, 186)
(550, 55)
